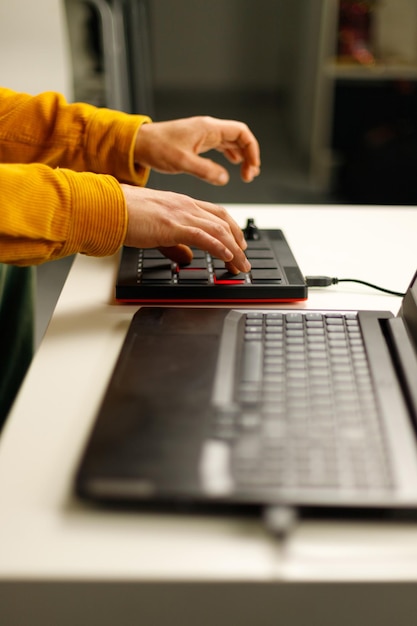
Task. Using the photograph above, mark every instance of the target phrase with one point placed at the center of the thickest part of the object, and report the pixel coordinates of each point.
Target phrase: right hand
(172, 222)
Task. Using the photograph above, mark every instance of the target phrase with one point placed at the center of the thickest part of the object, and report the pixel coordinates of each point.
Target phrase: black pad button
(193, 276)
(266, 275)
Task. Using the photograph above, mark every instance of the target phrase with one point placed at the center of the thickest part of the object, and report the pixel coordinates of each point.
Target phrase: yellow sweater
(60, 165)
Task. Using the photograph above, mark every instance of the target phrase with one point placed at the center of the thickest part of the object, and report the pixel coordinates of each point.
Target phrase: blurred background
(329, 87)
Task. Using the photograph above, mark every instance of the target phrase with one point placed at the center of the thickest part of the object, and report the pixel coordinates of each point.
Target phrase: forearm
(46, 129)
(47, 214)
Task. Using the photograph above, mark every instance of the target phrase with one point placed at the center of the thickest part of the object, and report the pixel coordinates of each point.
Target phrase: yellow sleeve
(51, 213)
(59, 170)
(46, 129)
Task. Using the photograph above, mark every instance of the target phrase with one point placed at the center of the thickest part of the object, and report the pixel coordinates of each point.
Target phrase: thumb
(206, 169)
(180, 253)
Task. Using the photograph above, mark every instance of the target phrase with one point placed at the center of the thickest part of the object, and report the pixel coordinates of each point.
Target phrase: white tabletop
(47, 535)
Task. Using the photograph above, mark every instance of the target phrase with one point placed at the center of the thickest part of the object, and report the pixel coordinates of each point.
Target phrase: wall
(197, 44)
(33, 46)
(235, 45)
(220, 44)
(305, 75)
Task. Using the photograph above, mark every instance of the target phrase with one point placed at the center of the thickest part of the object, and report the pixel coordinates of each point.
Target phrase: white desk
(62, 563)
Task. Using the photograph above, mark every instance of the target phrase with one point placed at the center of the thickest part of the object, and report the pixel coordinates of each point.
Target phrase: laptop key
(252, 362)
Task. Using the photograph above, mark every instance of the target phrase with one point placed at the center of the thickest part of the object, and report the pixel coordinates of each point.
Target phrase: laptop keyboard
(304, 412)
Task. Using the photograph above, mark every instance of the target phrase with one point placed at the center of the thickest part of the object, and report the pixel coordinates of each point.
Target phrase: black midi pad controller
(146, 276)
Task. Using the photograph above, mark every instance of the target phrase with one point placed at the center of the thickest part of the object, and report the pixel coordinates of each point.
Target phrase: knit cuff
(98, 220)
(110, 145)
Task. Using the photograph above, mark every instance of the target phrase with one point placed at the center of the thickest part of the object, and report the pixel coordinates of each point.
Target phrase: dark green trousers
(17, 290)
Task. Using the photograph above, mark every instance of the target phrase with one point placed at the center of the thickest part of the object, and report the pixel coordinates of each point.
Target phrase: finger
(233, 155)
(215, 237)
(221, 213)
(237, 261)
(249, 172)
(205, 169)
(231, 267)
(237, 136)
(180, 253)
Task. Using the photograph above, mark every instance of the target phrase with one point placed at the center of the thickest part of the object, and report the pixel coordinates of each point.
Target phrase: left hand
(174, 147)
(173, 222)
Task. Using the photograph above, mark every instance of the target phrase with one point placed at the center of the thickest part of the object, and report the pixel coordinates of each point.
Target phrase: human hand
(172, 222)
(174, 147)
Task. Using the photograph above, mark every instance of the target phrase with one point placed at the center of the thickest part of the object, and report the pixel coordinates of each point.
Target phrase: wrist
(142, 146)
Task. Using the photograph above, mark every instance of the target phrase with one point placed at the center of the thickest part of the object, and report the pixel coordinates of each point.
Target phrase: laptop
(213, 408)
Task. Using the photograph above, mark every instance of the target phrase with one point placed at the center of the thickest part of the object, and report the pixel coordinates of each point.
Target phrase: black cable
(326, 281)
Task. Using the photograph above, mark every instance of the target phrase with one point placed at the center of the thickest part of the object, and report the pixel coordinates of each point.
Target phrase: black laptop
(216, 407)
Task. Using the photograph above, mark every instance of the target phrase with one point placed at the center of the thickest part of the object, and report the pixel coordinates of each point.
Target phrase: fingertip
(232, 268)
(222, 178)
(250, 172)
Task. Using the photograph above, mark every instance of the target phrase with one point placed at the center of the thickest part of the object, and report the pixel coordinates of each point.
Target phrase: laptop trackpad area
(157, 411)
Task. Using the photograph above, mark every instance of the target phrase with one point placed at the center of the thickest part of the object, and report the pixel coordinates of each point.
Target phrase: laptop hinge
(404, 356)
